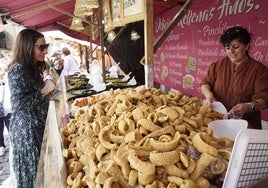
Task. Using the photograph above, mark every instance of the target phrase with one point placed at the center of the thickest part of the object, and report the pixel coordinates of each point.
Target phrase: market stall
(138, 132)
(123, 105)
(177, 66)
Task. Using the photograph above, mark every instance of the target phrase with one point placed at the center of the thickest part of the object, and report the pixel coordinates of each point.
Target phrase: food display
(119, 82)
(115, 80)
(144, 138)
(77, 87)
(73, 82)
(78, 93)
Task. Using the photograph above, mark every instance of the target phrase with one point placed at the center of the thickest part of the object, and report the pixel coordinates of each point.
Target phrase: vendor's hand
(209, 97)
(208, 101)
(240, 109)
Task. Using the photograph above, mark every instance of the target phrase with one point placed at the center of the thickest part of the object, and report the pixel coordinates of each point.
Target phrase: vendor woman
(238, 80)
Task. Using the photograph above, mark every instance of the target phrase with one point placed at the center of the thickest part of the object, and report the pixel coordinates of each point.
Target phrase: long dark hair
(23, 53)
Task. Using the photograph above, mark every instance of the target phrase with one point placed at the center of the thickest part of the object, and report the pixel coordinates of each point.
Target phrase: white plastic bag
(96, 73)
(114, 71)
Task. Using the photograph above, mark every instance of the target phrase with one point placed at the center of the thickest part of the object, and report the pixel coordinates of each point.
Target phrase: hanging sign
(132, 7)
(133, 10)
(117, 13)
(94, 28)
(106, 15)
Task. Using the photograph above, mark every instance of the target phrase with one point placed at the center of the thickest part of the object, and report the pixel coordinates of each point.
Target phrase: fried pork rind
(164, 158)
(165, 145)
(148, 125)
(202, 183)
(174, 170)
(218, 166)
(111, 182)
(225, 154)
(204, 161)
(143, 138)
(133, 178)
(141, 166)
(183, 183)
(202, 146)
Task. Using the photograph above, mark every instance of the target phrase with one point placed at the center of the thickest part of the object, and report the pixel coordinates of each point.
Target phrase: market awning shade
(41, 15)
(47, 15)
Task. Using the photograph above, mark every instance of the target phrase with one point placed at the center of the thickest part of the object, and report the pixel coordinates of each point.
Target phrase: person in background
(57, 62)
(50, 74)
(58, 65)
(5, 120)
(29, 100)
(107, 60)
(238, 80)
(57, 54)
(70, 65)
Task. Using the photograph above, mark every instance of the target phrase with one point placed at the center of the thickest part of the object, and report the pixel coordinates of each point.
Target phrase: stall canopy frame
(42, 15)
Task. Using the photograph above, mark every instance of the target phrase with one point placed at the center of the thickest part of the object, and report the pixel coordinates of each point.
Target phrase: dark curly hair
(237, 32)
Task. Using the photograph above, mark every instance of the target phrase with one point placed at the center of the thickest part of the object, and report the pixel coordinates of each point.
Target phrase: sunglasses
(42, 47)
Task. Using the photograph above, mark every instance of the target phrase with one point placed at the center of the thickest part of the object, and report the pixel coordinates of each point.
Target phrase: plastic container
(219, 107)
(249, 162)
(227, 127)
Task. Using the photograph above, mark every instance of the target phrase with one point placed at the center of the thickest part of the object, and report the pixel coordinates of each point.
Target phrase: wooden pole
(101, 34)
(171, 26)
(148, 43)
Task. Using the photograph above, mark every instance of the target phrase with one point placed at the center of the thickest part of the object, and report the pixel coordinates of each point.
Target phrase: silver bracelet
(251, 106)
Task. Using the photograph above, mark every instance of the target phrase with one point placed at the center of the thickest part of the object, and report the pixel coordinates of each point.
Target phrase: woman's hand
(48, 88)
(49, 96)
(208, 101)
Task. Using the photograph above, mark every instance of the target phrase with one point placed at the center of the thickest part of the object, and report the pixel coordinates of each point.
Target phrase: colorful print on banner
(183, 59)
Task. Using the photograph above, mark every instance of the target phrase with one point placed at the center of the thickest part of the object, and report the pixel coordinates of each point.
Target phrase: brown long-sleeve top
(248, 83)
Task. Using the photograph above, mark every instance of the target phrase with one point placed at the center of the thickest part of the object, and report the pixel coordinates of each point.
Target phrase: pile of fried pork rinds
(145, 138)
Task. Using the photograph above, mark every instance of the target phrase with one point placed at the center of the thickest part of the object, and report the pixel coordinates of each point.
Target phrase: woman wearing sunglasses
(29, 100)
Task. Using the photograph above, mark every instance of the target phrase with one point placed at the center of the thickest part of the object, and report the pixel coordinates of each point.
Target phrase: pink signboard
(183, 59)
